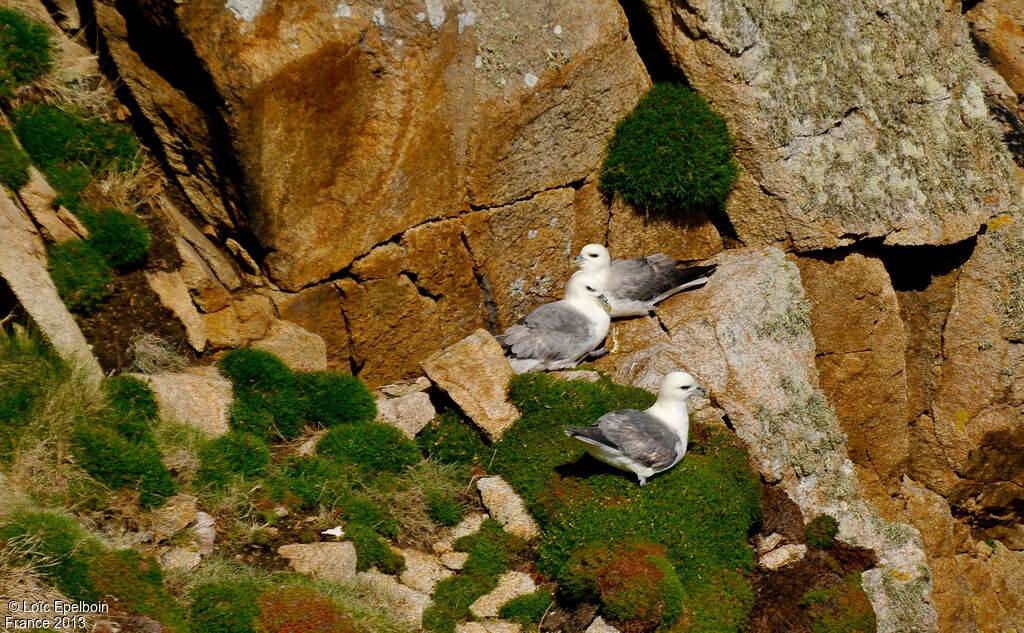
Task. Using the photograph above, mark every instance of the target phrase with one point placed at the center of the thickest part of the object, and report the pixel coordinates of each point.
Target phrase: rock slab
(334, 561)
(507, 507)
(200, 400)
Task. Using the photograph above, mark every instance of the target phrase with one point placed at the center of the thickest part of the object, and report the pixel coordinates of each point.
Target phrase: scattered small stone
(506, 506)
(469, 525)
(297, 347)
(205, 531)
(177, 514)
(334, 561)
(408, 413)
(766, 544)
(511, 584)
(404, 603)
(782, 556)
(180, 558)
(281, 511)
(454, 560)
(423, 571)
(404, 388)
(600, 626)
(307, 444)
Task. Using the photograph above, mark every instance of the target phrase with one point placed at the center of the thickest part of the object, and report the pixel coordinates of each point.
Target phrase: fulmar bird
(558, 335)
(644, 442)
(634, 286)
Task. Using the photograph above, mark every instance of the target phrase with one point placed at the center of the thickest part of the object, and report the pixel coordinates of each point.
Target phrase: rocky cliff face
(394, 177)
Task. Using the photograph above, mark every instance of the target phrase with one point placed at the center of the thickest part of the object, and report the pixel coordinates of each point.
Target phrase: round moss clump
(527, 610)
(121, 238)
(821, 531)
(120, 463)
(330, 398)
(224, 607)
(672, 153)
(13, 162)
(25, 50)
(301, 610)
(444, 508)
(450, 440)
(234, 453)
(69, 136)
(82, 276)
(132, 407)
(267, 402)
(371, 447)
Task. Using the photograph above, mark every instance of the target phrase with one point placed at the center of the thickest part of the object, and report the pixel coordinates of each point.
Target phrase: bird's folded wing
(636, 279)
(552, 331)
(637, 435)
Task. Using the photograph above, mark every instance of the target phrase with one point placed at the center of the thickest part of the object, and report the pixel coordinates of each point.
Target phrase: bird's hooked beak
(701, 392)
(578, 261)
(604, 303)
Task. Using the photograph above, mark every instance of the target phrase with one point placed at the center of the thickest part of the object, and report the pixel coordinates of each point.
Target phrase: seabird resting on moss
(558, 335)
(644, 442)
(634, 286)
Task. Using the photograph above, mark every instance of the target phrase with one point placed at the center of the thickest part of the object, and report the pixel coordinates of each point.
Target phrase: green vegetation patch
(27, 366)
(331, 398)
(267, 401)
(123, 239)
(83, 277)
(699, 512)
(527, 610)
(491, 551)
(125, 579)
(13, 162)
(372, 550)
(224, 607)
(64, 137)
(234, 453)
(444, 508)
(451, 440)
(373, 447)
(26, 51)
(844, 608)
(821, 531)
(300, 610)
(672, 153)
(133, 407)
(119, 462)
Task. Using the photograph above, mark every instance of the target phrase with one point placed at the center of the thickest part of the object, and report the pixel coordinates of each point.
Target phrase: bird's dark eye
(590, 289)
(593, 255)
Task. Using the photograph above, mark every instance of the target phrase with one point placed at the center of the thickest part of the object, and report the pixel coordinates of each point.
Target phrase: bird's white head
(678, 386)
(592, 258)
(584, 288)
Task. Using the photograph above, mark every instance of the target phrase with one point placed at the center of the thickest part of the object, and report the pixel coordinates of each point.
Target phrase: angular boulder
(333, 561)
(200, 400)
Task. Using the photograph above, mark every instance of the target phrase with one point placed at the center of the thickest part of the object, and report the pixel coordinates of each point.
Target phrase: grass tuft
(13, 162)
(331, 398)
(372, 447)
(83, 277)
(26, 51)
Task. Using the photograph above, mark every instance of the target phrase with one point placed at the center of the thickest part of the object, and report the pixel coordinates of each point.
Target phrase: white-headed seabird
(634, 286)
(558, 335)
(644, 442)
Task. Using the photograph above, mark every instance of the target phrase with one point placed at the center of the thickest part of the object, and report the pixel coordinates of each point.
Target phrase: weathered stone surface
(319, 310)
(222, 328)
(173, 293)
(333, 561)
(403, 603)
(382, 262)
(23, 268)
(999, 24)
(475, 373)
(202, 401)
(782, 556)
(300, 349)
(180, 559)
(211, 255)
(507, 507)
(862, 149)
(600, 626)
(581, 375)
(632, 233)
(470, 524)
(523, 251)
(454, 560)
(177, 514)
(208, 293)
(38, 197)
(409, 413)
(423, 571)
(511, 584)
(205, 531)
(860, 346)
(488, 626)
(487, 132)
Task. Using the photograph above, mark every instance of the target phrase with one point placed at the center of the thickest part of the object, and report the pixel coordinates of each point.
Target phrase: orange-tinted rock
(632, 233)
(999, 25)
(318, 309)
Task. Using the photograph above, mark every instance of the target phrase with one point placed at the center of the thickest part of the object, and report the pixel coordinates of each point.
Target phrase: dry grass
(152, 354)
(132, 191)
(408, 504)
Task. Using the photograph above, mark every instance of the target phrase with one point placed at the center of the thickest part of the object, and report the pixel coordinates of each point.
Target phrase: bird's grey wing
(638, 279)
(635, 434)
(552, 331)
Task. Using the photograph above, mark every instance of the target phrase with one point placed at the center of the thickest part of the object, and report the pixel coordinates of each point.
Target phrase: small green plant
(672, 152)
(68, 180)
(224, 607)
(372, 550)
(121, 463)
(821, 531)
(373, 447)
(844, 608)
(330, 398)
(82, 276)
(302, 483)
(13, 162)
(122, 238)
(26, 52)
(57, 544)
(267, 402)
(527, 610)
(234, 453)
(450, 440)
(128, 580)
(444, 508)
(132, 407)
(55, 136)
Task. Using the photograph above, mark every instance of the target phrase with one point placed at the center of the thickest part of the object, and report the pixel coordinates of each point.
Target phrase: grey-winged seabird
(644, 442)
(558, 335)
(634, 286)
